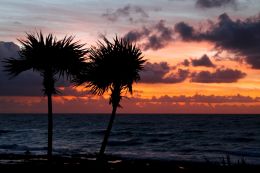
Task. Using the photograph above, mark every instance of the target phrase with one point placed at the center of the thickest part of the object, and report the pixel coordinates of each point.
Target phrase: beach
(84, 163)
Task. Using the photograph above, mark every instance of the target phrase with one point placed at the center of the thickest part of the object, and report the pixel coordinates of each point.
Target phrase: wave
(21, 148)
(244, 153)
(98, 132)
(14, 147)
(4, 131)
(122, 133)
(128, 142)
(156, 140)
(159, 134)
(11, 147)
(239, 139)
(187, 150)
(194, 131)
(235, 153)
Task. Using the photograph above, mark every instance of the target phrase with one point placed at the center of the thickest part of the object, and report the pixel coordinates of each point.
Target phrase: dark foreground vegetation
(81, 163)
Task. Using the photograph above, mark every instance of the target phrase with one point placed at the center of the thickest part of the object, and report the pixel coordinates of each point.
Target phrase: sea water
(163, 137)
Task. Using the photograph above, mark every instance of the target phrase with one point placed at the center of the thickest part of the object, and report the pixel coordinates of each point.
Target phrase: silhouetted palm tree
(114, 67)
(51, 58)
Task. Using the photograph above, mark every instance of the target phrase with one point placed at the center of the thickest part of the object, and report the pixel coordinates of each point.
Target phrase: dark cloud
(186, 63)
(155, 37)
(203, 61)
(126, 12)
(215, 3)
(137, 35)
(219, 76)
(161, 73)
(8, 49)
(241, 37)
(186, 31)
(27, 83)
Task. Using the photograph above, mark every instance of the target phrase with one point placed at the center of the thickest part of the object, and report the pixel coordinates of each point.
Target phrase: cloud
(61, 104)
(198, 98)
(126, 12)
(241, 37)
(155, 37)
(215, 3)
(186, 63)
(223, 99)
(163, 104)
(219, 76)
(195, 104)
(185, 31)
(137, 35)
(28, 83)
(203, 61)
(8, 49)
(161, 73)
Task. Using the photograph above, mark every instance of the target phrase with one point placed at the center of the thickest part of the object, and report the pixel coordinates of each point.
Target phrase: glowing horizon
(191, 68)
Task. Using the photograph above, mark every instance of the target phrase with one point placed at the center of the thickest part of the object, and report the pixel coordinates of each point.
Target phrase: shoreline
(19, 162)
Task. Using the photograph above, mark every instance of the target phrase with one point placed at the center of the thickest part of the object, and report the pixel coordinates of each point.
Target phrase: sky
(203, 56)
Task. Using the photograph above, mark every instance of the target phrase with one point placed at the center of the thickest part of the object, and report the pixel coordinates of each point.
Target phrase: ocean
(164, 137)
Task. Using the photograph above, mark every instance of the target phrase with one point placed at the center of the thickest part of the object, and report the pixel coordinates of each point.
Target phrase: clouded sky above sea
(203, 55)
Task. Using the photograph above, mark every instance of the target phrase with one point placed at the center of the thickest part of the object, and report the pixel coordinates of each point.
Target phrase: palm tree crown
(48, 56)
(113, 66)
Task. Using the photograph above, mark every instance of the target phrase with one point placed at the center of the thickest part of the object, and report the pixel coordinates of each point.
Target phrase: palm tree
(113, 67)
(51, 58)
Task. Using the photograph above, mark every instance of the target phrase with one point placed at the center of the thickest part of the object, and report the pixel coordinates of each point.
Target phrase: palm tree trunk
(107, 133)
(50, 127)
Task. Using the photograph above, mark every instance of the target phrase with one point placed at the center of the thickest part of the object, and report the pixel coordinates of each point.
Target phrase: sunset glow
(197, 61)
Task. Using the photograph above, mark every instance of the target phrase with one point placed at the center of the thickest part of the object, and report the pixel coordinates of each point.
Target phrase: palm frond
(71, 56)
(39, 50)
(15, 66)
